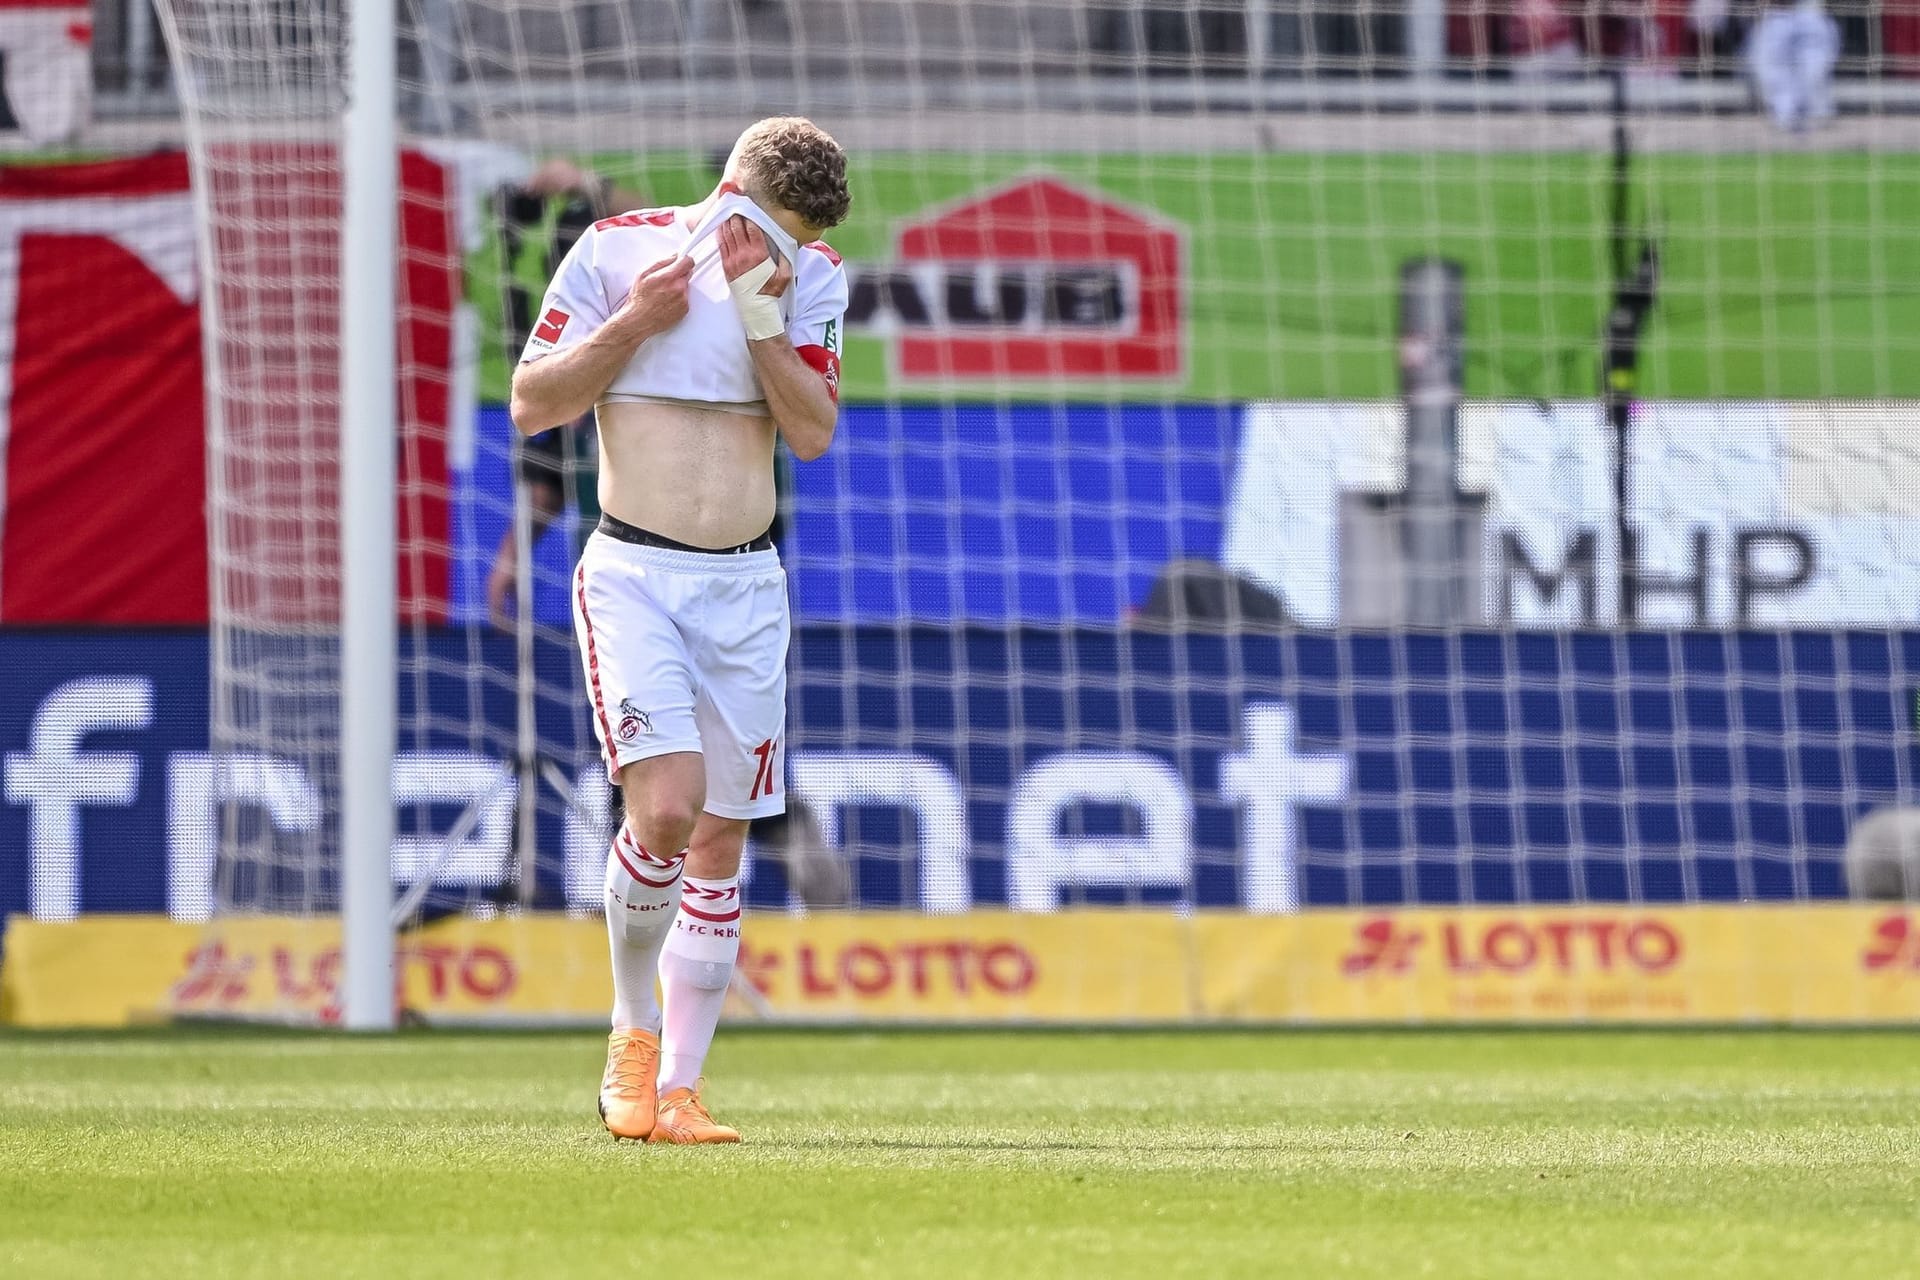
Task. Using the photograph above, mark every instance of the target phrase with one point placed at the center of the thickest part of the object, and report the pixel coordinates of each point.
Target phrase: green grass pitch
(1002, 1155)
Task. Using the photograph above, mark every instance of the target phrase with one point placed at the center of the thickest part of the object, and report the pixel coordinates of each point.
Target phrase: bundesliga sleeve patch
(548, 331)
(827, 365)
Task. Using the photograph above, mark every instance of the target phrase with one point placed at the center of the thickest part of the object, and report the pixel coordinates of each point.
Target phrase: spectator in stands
(1790, 56)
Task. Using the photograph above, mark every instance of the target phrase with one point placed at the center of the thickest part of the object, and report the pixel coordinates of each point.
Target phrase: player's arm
(800, 396)
(561, 377)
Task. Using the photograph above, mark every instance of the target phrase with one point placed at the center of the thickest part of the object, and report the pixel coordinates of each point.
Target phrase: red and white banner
(102, 411)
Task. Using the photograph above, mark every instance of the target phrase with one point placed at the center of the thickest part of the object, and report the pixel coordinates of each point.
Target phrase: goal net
(1404, 511)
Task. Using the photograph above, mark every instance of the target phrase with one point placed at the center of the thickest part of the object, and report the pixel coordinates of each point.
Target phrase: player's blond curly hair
(792, 162)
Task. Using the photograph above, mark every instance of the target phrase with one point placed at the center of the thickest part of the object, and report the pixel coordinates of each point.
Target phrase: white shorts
(686, 651)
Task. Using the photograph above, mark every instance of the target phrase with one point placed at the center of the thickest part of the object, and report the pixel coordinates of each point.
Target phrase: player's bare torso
(694, 473)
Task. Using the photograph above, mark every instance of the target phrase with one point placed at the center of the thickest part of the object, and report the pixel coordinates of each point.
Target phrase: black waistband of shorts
(615, 527)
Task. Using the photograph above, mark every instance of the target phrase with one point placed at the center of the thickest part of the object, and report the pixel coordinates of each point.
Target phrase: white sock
(695, 969)
(642, 891)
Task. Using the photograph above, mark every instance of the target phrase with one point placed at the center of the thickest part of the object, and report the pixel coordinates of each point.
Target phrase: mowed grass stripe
(270, 1154)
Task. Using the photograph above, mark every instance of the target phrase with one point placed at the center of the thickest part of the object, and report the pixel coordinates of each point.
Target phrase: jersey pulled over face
(704, 358)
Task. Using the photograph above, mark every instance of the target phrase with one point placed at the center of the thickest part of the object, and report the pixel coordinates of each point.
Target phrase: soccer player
(696, 334)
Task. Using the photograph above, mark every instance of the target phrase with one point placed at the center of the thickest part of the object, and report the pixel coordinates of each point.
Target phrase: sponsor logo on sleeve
(548, 331)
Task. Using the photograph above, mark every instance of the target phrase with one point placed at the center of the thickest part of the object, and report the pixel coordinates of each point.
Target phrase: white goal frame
(369, 425)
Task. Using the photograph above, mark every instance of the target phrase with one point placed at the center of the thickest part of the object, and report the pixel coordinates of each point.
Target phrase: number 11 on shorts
(764, 778)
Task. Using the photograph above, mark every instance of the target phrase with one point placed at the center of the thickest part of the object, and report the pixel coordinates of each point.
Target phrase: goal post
(369, 684)
(294, 144)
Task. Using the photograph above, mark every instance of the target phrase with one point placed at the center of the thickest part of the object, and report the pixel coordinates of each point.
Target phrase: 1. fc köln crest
(1036, 281)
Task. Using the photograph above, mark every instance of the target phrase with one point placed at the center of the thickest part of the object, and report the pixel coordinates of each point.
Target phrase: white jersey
(703, 359)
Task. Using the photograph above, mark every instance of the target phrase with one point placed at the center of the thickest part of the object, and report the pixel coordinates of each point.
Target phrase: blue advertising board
(981, 766)
(1032, 514)
(989, 514)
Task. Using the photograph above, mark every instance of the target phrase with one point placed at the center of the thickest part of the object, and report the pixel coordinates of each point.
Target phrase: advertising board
(1784, 964)
(963, 769)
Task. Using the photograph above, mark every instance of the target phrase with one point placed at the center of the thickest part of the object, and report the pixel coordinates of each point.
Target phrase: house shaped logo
(1038, 281)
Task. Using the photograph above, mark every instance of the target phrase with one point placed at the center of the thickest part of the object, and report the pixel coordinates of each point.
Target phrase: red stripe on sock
(698, 914)
(665, 864)
(631, 870)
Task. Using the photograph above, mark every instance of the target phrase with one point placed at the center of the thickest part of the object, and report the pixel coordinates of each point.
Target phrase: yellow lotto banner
(1837, 963)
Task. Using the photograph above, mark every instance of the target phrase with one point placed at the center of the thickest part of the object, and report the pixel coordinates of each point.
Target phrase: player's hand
(743, 246)
(657, 301)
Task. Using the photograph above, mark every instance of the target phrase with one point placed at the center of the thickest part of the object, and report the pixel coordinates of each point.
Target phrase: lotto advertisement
(1800, 964)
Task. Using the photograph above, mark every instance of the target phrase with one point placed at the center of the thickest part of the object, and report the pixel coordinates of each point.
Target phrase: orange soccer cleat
(629, 1094)
(684, 1120)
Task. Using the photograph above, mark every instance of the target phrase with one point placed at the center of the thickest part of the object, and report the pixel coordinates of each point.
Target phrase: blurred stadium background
(1342, 511)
